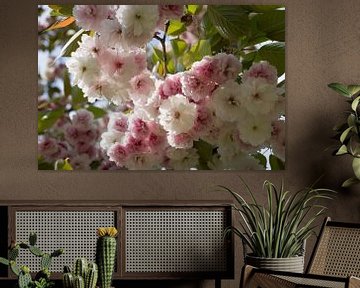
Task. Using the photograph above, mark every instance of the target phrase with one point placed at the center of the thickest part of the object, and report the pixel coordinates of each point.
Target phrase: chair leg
(354, 282)
(246, 274)
(217, 283)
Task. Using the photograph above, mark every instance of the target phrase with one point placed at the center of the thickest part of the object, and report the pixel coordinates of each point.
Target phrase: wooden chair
(334, 263)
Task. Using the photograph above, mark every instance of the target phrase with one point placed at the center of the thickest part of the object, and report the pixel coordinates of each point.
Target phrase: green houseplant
(348, 133)
(276, 233)
(42, 278)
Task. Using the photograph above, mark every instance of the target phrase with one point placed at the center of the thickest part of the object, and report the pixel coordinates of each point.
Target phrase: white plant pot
(291, 264)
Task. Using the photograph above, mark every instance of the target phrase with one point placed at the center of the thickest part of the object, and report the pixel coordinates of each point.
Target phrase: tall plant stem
(162, 40)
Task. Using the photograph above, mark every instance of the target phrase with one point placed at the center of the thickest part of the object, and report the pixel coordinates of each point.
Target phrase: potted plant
(276, 233)
(349, 132)
(42, 278)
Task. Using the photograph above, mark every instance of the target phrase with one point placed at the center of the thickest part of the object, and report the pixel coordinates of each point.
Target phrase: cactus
(87, 272)
(106, 254)
(45, 261)
(68, 280)
(79, 282)
(91, 276)
(80, 267)
(24, 278)
(32, 239)
(36, 251)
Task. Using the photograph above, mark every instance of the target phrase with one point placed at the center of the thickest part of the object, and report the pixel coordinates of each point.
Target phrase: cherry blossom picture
(161, 87)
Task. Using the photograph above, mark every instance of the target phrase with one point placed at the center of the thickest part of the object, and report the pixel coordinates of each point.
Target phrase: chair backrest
(337, 251)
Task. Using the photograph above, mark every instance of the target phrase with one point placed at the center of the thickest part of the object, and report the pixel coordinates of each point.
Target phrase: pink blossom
(135, 145)
(72, 134)
(167, 12)
(170, 87)
(262, 70)
(140, 59)
(195, 87)
(204, 120)
(171, 11)
(208, 68)
(141, 88)
(117, 64)
(181, 141)
(118, 154)
(230, 67)
(138, 128)
(118, 122)
(156, 139)
(47, 146)
(90, 17)
(82, 118)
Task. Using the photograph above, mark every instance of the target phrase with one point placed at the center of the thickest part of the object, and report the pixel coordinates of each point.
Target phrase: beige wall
(323, 46)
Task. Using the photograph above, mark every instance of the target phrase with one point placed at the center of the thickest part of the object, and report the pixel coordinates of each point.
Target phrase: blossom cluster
(164, 121)
(75, 138)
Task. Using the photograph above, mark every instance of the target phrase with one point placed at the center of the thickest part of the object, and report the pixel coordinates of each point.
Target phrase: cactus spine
(106, 254)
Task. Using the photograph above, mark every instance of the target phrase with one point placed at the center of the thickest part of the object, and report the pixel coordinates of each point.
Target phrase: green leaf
(355, 103)
(356, 167)
(70, 45)
(158, 54)
(261, 8)
(272, 23)
(47, 119)
(61, 10)
(194, 9)
(67, 84)
(340, 88)
(42, 165)
(98, 112)
(4, 261)
(274, 53)
(176, 28)
(77, 96)
(61, 23)
(261, 158)
(342, 150)
(231, 21)
(63, 165)
(276, 163)
(205, 151)
(197, 52)
(345, 134)
(353, 89)
(349, 182)
(179, 46)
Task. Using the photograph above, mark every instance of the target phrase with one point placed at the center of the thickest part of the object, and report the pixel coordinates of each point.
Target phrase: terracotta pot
(291, 264)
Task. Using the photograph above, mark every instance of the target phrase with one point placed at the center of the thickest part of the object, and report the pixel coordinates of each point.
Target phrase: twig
(163, 44)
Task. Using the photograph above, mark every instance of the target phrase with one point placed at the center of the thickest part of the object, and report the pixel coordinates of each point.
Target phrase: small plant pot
(291, 264)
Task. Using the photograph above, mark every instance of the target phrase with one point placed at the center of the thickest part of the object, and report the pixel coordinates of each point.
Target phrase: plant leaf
(356, 167)
(342, 150)
(176, 27)
(276, 163)
(345, 134)
(61, 10)
(63, 165)
(231, 21)
(98, 112)
(272, 23)
(71, 45)
(61, 23)
(274, 53)
(340, 88)
(194, 9)
(47, 119)
(349, 182)
(355, 103)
